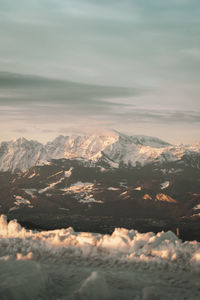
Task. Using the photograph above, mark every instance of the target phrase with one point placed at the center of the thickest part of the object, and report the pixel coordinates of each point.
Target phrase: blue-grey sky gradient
(132, 65)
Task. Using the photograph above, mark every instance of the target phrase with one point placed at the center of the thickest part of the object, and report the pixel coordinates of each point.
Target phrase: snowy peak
(149, 141)
(143, 140)
(76, 146)
(129, 153)
(20, 154)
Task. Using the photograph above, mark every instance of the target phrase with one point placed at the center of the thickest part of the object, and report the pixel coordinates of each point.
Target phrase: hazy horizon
(89, 66)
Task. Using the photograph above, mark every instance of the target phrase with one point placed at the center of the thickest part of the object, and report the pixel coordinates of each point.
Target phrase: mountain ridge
(116, 148)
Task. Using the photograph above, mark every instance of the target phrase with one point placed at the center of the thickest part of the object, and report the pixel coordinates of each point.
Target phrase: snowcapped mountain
(115, 148)
(76, 146)
(143, 140)
(20, 154)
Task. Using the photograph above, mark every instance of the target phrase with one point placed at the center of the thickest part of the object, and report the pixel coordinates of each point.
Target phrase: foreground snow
(63, 264)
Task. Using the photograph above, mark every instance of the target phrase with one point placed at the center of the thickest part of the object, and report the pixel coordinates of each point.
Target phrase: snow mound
(123, 244)
(64, 264)
(94, 287)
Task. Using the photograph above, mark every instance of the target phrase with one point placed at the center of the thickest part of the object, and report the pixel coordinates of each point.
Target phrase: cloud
(21, 130)
(164, 117)
(128, 43)
(44, 100)
(151, 47)
(26, 88)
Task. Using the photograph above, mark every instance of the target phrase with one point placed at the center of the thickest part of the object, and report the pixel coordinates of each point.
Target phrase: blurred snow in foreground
(63, 264)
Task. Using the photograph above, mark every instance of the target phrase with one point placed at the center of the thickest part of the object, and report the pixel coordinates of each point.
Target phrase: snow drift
(63, 264)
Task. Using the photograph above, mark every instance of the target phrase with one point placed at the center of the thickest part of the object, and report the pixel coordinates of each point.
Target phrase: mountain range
(113, 149)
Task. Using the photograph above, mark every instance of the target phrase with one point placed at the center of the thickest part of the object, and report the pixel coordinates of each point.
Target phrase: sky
(70, 66)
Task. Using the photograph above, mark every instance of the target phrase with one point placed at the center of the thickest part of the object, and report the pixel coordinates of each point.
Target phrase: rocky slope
(89, 197)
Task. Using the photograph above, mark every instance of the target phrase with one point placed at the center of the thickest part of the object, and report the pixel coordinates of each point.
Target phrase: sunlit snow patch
(20, 200)
(13, 208)
(164, 185)
(138, 188)
(44, 163)
(124, 193)
(102, 169)
(123, 184)
(50, 186)
(69, 172)
(47, 163)
(111, 188)
(196, 207)
(32, 175)
(79, 187)
(196, 215)
(82, 191)
(30, 192)
(90, 199)
(164, 198)
(55, 174)
(147, 197)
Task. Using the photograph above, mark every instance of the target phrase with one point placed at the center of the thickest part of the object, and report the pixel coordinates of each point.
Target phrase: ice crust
(64, 264)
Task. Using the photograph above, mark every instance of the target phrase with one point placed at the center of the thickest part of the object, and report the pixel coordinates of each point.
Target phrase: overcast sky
(91, 65)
